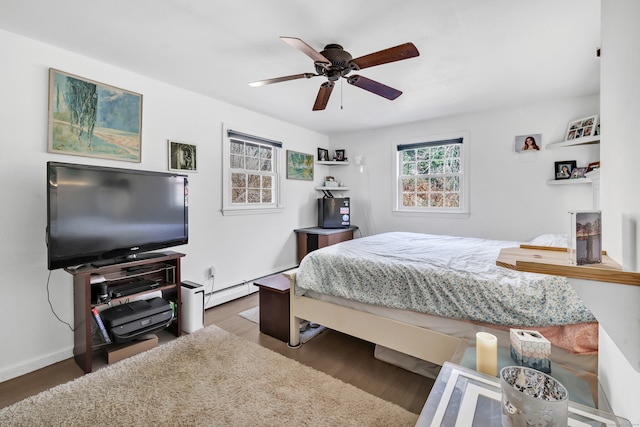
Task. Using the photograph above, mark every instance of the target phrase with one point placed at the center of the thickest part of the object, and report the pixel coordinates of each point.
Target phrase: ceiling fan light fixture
(334, 62)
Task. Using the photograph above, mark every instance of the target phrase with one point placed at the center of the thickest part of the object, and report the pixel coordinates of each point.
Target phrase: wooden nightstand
(312, 238)
(274, 306)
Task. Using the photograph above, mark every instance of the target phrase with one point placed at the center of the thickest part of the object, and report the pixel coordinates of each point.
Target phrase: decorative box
(530, 349)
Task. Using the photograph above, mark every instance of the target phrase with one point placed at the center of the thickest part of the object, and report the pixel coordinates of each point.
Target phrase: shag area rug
(309, 332)
(208, 378)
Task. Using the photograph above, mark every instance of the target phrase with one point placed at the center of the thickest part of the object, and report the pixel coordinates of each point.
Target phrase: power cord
(51, 306)
(212, 279)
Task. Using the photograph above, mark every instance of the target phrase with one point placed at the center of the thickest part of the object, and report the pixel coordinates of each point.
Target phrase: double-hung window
(251, 180)
(432, 176)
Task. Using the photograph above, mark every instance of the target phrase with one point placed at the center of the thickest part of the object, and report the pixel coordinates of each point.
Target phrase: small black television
(102, 215)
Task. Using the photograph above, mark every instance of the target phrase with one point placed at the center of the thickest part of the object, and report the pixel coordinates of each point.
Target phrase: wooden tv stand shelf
(165, 269)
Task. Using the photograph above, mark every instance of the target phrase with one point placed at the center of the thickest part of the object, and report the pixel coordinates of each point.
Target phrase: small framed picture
(339, 156)
(323, 155)
(563, 169)
(593, 166)
(182, 157)
(577, 173)
(582, 128)
(528, 143)
(299, 166)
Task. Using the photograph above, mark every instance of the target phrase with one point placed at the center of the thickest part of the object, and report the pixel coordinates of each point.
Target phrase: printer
(126, 322)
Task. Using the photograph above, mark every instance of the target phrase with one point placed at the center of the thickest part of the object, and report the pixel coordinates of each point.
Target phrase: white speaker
(192, 299)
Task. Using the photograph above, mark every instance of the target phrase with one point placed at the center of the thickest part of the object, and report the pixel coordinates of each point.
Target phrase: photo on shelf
(323, 155)
(563, 169)
(592, 166)
(582, 128)
(585, 245)
(339, 156)
(578, 173)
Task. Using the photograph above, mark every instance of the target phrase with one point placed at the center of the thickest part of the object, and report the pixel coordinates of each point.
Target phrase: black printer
(126, 322)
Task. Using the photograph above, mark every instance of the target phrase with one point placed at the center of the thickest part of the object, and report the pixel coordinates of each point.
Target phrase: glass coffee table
(462, 397)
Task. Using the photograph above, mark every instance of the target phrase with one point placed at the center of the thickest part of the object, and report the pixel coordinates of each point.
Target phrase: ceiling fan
(335, 62)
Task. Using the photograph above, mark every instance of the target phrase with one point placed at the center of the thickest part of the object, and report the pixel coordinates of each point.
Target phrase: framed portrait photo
(564, 168)
(323, 155)
(339, 156)
(582, 128)
(183, 156)
(528, 143)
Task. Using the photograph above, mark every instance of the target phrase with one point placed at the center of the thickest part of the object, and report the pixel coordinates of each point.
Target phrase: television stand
(163, 268)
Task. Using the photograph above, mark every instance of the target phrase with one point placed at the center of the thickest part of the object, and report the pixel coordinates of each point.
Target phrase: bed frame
(413, 340)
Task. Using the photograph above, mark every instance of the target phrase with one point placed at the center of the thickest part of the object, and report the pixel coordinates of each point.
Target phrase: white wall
(620, 109)
(29, 328)
(510, 197)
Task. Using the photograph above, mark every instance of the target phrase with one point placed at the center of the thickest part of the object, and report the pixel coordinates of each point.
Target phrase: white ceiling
(474, 55)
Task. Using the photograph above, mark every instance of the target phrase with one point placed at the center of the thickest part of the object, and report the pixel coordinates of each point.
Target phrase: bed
(426, 295)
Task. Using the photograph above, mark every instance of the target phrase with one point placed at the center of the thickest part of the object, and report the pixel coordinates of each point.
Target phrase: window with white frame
(251, 181)
(431, 176)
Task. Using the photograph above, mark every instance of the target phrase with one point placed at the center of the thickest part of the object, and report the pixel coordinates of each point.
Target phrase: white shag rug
(208, 378)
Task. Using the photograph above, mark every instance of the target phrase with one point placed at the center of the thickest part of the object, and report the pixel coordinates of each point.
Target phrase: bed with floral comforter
(451, 277)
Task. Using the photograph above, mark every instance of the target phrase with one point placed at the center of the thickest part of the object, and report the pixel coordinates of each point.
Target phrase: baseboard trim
(35, 364)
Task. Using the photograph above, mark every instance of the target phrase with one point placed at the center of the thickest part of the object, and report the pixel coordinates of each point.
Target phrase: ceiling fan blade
(282, 79)
(374, 87)
(323, 96)
(397, 53)
(306, 49)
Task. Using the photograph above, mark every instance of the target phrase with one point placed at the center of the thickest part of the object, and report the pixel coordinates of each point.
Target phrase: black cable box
(132, 288)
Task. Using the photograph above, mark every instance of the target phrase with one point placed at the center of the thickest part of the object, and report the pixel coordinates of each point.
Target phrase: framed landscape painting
(299, 166)
(92, 119)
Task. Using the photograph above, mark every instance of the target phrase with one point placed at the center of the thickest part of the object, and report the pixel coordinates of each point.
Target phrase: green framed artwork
(92, 119)
(299, 166)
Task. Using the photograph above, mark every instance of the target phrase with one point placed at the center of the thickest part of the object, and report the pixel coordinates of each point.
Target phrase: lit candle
(487, 353)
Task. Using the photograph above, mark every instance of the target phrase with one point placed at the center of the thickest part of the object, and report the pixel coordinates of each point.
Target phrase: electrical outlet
(212, 271)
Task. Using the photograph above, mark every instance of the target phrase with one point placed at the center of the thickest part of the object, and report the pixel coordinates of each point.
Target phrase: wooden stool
(274, 306)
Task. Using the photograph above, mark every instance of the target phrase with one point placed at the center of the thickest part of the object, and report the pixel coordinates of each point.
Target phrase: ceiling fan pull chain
(341, 85)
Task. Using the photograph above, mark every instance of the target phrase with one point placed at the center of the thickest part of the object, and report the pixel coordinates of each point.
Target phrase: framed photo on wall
(92, 119)
(564, 168)
(183, 157)
(299, 166)
(528, 143)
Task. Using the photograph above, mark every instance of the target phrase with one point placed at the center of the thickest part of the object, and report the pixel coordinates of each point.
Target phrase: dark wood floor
(341, 356)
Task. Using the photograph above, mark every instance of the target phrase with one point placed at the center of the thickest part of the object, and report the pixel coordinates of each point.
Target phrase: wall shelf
(333, 163)
(332, 188)
(573, 181)
(578, 141)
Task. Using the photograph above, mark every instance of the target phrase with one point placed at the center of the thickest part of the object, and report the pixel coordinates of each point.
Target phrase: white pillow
(557, 240)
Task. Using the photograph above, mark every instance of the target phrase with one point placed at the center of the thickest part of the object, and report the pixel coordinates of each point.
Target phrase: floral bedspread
(453, 277)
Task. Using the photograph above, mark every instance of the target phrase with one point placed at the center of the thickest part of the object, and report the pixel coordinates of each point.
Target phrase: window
(251, 181)
(431, 176)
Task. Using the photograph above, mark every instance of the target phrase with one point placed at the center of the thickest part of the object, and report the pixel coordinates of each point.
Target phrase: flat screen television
(102, 215)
